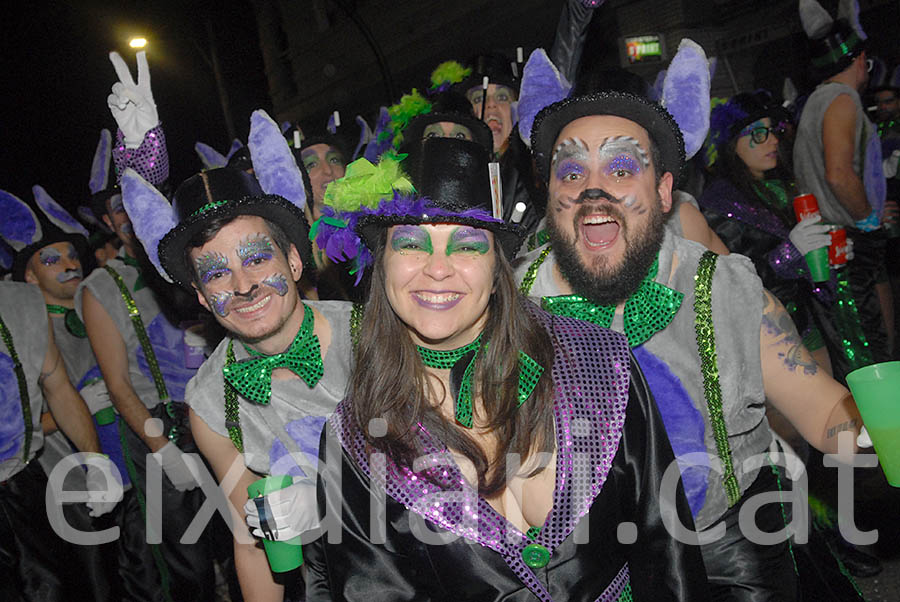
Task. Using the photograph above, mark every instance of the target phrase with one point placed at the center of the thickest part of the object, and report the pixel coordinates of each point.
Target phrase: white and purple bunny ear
(542, 85)
(685, 94)
(20, 226)
(849, 10)
(86, 215)
(55, 212)
(210, 157)
(815, 20)
(273, 162)
(151, 215)
(236, 145)
(365, 135)
(100, 166)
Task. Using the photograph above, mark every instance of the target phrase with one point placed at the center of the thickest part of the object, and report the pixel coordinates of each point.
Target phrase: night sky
(57, 75)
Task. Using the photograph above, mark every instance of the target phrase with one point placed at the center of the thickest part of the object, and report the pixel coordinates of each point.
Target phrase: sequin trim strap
(531, 274)
(141, 332)
(356, 316)
(24, 398)
(709, 366)
(232, 410)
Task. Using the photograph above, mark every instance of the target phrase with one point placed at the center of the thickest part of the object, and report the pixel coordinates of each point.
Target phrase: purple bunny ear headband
(58, 216)
(20, 226)
(100, 166)
(684, 92)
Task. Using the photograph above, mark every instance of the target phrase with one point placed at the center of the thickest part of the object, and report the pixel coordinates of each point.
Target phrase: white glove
(809, 235)
(132, 104)
(97, 484)
(890, 164)
(291, 511)
(174, 464)
(96, 396)
(863, 439)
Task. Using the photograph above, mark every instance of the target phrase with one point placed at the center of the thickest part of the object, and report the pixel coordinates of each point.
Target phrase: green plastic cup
(817, 261)
(285, 555)
(105, 416)
(876, 390)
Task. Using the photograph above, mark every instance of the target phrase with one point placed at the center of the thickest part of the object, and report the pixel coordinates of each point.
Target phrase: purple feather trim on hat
(336, 234)
(722, 118)
(382, 138)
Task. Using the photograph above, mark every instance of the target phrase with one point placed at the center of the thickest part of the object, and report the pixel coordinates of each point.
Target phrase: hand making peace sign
(132, 104)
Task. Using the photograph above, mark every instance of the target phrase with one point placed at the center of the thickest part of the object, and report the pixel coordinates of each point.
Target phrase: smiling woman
(471, 395)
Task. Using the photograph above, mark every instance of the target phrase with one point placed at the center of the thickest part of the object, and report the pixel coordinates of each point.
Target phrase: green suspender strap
(709, 365)
(141, 332)
(23, 388)
(531, 273)
(232, 411)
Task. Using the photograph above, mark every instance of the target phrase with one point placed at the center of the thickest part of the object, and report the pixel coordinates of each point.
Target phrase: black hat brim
(660, 125)
(274, 208)
(481, 133)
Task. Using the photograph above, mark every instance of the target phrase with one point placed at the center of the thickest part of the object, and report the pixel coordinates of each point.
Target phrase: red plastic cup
(805, 205)
(837, 250)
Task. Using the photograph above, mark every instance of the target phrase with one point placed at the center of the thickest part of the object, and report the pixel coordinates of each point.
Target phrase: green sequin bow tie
(252, 377)
(73, 323)
(139, 281)
(529, 374)
(650, 309)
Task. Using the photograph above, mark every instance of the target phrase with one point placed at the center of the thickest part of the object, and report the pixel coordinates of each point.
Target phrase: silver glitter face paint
(255, 248)
(278, 282)
(210, 265)
(569, 148)
(49, 256)
(623, 146)
(219, 303)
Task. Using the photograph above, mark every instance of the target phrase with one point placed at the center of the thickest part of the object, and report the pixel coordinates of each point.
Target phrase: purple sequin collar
(591, 373)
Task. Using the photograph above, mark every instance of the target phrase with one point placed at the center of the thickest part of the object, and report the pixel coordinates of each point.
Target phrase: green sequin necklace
(73, 323)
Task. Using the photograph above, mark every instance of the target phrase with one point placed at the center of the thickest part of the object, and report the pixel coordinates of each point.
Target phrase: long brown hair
(390, 382)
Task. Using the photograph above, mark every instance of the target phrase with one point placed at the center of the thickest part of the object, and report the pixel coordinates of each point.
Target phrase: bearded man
(712, 342)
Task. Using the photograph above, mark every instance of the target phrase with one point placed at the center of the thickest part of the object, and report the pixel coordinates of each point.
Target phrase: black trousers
(169, 570)
(31, 565)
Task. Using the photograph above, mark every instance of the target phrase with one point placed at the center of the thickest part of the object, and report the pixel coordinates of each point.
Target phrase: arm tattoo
(778, 324)
(844, 426)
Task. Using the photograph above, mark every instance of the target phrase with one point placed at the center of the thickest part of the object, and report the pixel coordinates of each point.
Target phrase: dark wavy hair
(390, 382)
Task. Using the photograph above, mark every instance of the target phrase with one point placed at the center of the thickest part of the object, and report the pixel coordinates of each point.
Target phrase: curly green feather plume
(365, 184)
(410, 106)
(448, 73)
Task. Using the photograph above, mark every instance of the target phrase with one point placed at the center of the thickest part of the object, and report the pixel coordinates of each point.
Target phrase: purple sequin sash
(591, 375)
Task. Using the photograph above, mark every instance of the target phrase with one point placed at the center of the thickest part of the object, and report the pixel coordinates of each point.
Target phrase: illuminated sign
(644, 49)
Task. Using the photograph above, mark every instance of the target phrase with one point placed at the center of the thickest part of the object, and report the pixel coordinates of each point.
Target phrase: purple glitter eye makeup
(277, 282)
(49, 256)
(625, 162)
(256, 248)
(210, 266)
(567, 169)
(623, 153)
(468, 240)
(570, 148)
(408, 239)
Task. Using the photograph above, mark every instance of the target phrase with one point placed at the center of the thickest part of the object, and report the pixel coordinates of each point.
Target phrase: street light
(137, 42)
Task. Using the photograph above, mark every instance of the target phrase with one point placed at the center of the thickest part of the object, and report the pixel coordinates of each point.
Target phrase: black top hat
(660, 125)
(833, 52)
(452, 177)
(99, 199)
(221, 194)
(447, 106)
(497, 67)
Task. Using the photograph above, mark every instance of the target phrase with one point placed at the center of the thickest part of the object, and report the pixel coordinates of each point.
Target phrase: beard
(600, 282)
